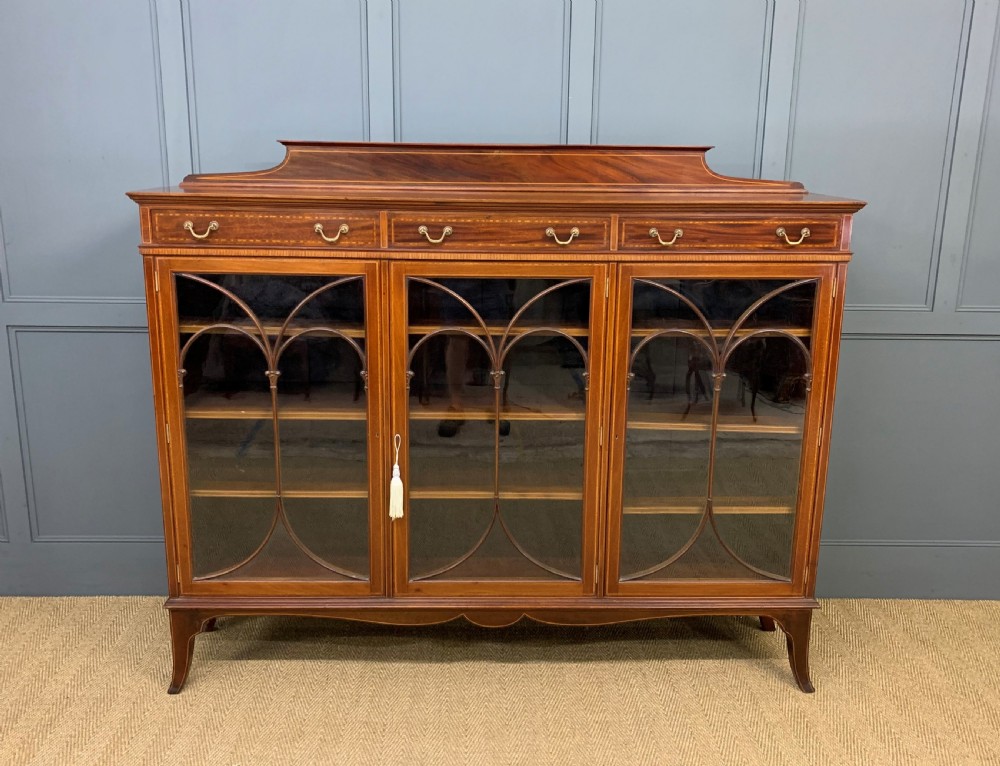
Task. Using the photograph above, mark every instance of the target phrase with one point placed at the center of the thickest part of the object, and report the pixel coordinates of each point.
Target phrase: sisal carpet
(83, 681)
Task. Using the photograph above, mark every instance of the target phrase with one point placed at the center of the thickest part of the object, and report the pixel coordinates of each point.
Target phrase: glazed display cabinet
(409, 383)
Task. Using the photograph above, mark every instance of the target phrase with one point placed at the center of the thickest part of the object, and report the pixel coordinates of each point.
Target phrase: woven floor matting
(83, 681)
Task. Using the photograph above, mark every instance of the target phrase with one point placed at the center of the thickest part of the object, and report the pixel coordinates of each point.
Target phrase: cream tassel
(396, 486)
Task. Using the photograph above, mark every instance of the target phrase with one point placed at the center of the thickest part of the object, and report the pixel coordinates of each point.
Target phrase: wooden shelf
(498, 330)
(190, 326)
(718, 332)
(446, 414)
(760, 506)
(327, 405)
(533, 493)
(765, 424)
(551, 412)
(248, 489)
(665, 412)
(256, 405)
(223, 475)
(524, 402)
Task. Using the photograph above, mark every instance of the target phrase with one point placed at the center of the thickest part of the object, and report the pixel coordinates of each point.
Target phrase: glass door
(711, 473)
(497, 391)
(276, 380)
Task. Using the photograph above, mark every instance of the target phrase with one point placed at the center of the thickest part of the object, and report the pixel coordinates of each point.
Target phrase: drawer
(730, 234)
(488, 232)
(265, 228)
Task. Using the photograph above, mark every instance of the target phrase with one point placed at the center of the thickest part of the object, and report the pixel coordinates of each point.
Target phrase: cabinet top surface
(478, 174)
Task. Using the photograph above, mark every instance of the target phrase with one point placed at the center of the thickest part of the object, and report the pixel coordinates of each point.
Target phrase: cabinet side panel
(159, 367)
(809, 540)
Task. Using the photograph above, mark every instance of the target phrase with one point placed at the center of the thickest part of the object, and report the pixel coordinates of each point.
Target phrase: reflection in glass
(273, 375)
(720, 372)
(497, 401)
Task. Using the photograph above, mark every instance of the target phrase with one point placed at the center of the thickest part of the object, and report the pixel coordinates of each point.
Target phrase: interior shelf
(572, 330)
(443, 413)
(722, 506)
(719, 332)
(533, 493)
(245, 489)
(221, 472)
(784, 423)
(665, 412)
(479, 405)
(189, 326)
(251, 489)
(321, 404)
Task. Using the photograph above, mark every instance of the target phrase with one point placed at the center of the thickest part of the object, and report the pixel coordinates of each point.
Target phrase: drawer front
(488, 232)
(265, 229)
(756, 234)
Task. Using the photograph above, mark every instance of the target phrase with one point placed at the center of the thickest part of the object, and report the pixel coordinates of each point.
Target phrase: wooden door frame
(815, 433)
(596, 425)
(165, 348)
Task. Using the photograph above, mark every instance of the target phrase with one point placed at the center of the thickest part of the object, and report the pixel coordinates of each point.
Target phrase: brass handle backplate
(573, 234)
(780, 232)
(212, 226)
(447, 231)
(678, 233)
(344, 228)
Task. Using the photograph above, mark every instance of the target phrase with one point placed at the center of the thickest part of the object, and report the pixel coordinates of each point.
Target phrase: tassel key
(396, 485)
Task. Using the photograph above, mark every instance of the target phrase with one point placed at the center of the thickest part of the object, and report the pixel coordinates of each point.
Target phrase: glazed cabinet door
(497, 380)
(722, 374)
(272, 370)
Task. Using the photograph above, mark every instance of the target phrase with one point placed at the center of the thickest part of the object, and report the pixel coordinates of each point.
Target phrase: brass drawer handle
(212, 226)
(573, 234)
(344, 228)
(678, 233)
(802, 236)
(446, 232)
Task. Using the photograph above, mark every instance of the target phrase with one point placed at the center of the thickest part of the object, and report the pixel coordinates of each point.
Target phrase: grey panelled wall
(310, 80)
(722, 105)
(893, 101)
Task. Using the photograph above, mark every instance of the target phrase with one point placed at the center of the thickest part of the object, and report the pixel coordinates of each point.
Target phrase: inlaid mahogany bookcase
(606, 373)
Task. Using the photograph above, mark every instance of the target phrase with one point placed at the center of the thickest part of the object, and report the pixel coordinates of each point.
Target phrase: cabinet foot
(796, 626)
(766, 623)
(184, 626)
